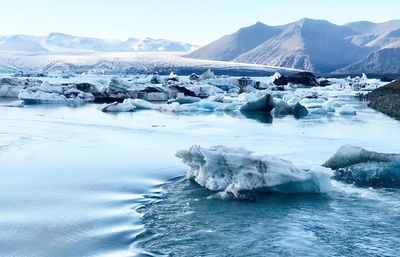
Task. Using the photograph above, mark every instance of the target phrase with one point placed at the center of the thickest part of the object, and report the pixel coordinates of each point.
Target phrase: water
(79, 182)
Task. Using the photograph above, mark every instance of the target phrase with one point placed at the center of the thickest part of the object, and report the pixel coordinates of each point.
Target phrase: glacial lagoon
(79, 182)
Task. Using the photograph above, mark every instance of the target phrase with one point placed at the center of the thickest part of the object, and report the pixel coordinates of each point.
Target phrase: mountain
(231, 46)
(18, 43)
(314, 45)
(308, 44)
(64, 42)
(385, 60)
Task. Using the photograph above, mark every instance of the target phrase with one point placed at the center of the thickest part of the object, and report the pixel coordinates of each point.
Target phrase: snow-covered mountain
(64, 42)
(314, 45)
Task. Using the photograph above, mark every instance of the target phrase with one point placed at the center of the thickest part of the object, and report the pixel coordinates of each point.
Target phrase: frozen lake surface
(79, 182)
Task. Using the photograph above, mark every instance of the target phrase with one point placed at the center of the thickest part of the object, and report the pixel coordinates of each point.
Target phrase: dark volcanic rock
(302, 78)
(386, 99)
(324, 83)
(389, 89)
(183, 90)
(388, 104)
(281, 81)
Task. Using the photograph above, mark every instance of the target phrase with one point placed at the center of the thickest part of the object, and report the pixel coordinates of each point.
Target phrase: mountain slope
(231, 46)
(18, 43)
(314, 45)
(64, 42)
(385, 60)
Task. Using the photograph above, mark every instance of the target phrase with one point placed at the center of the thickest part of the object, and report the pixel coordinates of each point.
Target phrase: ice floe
(242, 174)
(365, 168)
(51, 94)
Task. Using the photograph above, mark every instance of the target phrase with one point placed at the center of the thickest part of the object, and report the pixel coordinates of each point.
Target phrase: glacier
(242, 174)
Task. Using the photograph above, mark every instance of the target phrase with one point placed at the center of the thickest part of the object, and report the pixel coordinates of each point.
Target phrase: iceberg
(371, 174)
(184, 100)
(54, 94)
(348, 155)
(125, 106)
(240, 173)
(264, 103)
(117, 85)
(18, 104)
(365, 168)
(347, 109)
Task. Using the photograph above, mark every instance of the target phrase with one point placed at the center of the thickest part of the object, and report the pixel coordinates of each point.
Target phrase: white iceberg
(242, 174)
(18, 104)
(125, 106)
(54, 94)
(184, 100)
(347, 109)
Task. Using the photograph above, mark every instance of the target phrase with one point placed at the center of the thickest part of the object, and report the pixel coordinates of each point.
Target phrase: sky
(193, 21)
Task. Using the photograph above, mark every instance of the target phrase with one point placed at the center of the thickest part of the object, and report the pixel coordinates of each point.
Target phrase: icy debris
(208, 74)
(194, 77)
(204, 90)
(328, 106)
(126, 106)
(140, 104)
(184, 100)
(117, 85)
(156, 80)
(242, 174)
(54, 94)
(371, 174)
(347, 109)
(282, 108)
(11, 87)
(365, 168)
(263, 104)
(18, 104)
(348, 155)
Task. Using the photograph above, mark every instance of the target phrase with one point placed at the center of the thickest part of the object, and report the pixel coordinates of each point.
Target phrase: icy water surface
(79, 182)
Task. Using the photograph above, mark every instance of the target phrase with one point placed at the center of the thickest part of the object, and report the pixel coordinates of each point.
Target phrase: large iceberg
(54, 94)
(242, 174)
(365, 168)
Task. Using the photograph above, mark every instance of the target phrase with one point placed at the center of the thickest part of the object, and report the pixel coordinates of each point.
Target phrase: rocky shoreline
(386, 99)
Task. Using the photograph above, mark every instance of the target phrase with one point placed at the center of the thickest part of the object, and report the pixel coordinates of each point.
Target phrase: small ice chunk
(126, 106)
(347, 109)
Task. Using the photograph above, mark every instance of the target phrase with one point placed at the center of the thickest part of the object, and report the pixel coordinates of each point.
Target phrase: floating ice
(126, 106)
(347, 109)
(184, 100)
(117, 85)
(348, 155)
(263, 104)
(54, 94)
(242, 174)
(371, 174)
(18, 104)
(365, 168)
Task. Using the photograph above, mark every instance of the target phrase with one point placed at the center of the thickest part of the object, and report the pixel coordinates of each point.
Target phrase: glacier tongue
(240, 173)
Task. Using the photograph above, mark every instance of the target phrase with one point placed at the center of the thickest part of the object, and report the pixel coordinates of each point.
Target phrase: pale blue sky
(194, 21)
